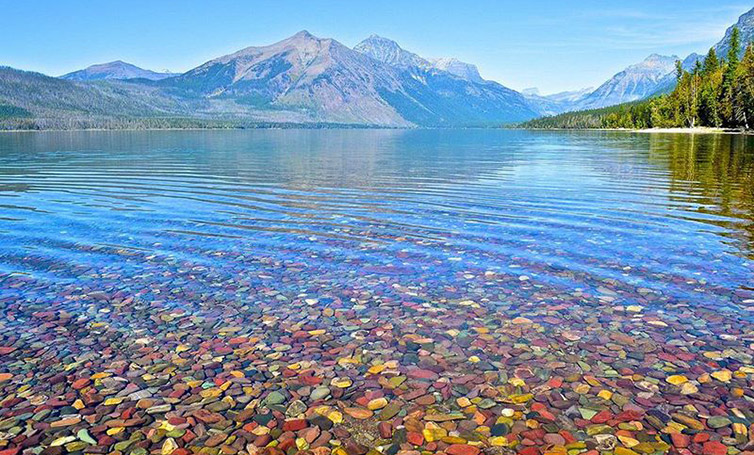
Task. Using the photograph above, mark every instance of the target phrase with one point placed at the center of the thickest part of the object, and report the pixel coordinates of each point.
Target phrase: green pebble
(84, 435)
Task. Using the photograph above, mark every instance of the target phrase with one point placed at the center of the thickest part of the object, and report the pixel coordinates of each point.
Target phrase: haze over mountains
(309, 80)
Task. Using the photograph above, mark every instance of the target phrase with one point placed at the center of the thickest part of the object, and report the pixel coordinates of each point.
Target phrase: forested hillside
(716, 92)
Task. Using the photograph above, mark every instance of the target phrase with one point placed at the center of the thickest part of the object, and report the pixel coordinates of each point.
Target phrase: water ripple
(568, 210)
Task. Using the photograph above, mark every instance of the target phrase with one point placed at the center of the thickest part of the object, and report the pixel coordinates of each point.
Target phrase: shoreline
(695, 130)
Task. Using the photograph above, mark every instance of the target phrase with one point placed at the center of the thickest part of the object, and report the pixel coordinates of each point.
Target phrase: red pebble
(417, 373)
(567, 436)
(79, 384)
(680, 440)
(462, 449)
(415, 438)
(714, 448)
(295, 425)
(602, 417)
(701, 437)
(385, 429)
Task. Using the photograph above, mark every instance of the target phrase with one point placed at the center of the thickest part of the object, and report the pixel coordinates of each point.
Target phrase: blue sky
(551, 44)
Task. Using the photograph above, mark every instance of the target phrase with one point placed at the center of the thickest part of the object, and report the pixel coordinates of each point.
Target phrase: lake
(393, 289)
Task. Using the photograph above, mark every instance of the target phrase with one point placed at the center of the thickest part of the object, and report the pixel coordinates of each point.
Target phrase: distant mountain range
(114, 70)
(655, 75)
(309, 80)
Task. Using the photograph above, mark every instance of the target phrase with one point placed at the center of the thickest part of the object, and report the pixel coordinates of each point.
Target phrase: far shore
(695, 130)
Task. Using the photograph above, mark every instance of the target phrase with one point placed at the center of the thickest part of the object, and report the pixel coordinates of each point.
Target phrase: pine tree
(735, 47)
(729, 76)
(711, 62)
(744, 102)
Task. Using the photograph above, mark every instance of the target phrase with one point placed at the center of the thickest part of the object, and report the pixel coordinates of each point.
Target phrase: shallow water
(229, 291)
(669, 213)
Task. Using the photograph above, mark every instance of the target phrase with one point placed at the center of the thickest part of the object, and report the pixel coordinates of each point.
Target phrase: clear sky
(551, 44)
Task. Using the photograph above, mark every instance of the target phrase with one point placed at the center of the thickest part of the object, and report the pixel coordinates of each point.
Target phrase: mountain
(321, 80)
(303, 77)
(458, 68)
(571, 96)
(556, 103)
(634, 83)
(745, 26)
(114, 70)
(300, 80)
(446, 91)
(388, 51)
(57, 103)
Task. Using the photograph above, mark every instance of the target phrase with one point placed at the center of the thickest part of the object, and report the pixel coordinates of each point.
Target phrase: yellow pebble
(377, 403)
(520, 399)
(114, 401)
(335, 417)
(342, 382)
(582, 388)
(517, 382)
(722, 375)
(498, 441)
(463, 402)
(740, 428)
(168, 446)
(432, 432)
(677, 379)
(689, 388)
(628, 442)
(605, 394)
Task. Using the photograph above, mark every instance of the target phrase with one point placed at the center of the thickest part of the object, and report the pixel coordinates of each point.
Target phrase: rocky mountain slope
(745, 26)
(634, 83)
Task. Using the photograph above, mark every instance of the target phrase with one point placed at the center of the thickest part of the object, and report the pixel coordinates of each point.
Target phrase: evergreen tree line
(717, 92)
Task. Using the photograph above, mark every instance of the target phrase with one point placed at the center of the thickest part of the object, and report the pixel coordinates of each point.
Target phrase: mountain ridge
(118, 70)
